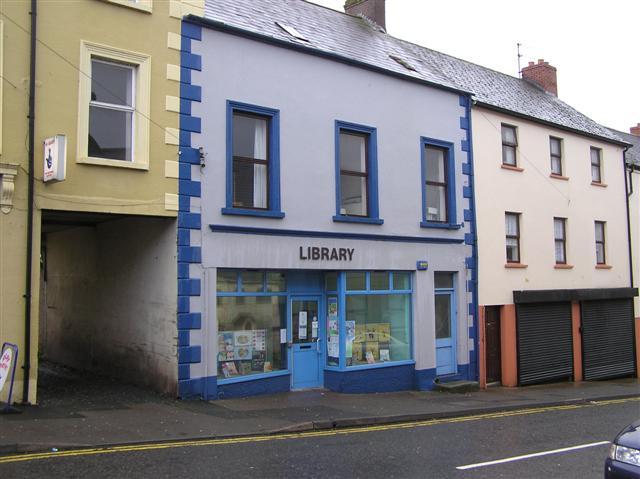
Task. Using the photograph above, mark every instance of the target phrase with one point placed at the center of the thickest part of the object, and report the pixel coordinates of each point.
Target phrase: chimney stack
(372, 9)
(635, 130)
(542, 74)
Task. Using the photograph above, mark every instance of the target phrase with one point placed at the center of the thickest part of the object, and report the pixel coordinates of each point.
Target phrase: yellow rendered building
(102, 292)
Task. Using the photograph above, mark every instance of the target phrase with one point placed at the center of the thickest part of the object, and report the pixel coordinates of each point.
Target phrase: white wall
(311, 94)
(539, 199)
(110, 300)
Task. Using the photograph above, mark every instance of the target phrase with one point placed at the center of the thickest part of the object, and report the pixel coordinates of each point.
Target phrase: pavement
(81, 410)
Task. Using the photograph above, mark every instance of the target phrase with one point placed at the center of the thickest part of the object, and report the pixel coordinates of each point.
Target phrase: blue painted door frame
(307, 353)
(446, 358)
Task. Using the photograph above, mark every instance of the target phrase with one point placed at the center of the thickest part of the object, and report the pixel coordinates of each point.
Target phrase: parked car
(624, 456)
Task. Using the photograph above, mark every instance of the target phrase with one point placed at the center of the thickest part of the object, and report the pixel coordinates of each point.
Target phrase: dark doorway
(492, 343)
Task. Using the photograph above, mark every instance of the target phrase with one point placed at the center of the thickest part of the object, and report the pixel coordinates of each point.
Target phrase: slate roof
(356, 38)
(633, 154)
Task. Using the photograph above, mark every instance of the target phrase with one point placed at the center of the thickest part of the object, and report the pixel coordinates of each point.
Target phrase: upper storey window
(356, 174)
(596, 165)
(253, 161)
(509, 145)
(114, 107)
(555, 150)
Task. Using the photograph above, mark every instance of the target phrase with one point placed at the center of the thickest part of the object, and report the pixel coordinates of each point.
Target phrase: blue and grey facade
(310, 252)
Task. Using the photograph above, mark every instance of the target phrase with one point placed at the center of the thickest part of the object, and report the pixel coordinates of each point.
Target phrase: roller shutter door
(545, 342)
(608, 338)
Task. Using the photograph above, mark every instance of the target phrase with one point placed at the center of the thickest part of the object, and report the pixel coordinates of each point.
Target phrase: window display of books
(242, 352)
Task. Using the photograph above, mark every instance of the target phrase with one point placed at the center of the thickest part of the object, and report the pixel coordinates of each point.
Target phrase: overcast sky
(595, 45)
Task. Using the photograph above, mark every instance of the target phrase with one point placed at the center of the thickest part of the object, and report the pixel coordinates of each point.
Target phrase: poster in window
(243, 338)
(383, 331)
(302, 325)
(373, 348)
(333, 327)
(225, 341)
(357, 351)
(259, 339)
(333, 306)
(314, 327)
(243, 353)
(229, 369)
(333, 347)
(244, 368)
(370, 358)
(384, 355)
(258, 360)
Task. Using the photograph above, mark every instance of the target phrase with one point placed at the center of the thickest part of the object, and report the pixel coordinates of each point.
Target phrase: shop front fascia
(281, 320)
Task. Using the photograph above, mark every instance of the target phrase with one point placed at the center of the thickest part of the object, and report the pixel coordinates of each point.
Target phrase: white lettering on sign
(5, 366)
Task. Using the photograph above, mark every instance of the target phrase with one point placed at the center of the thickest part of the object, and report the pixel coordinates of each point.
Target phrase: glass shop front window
(251, 312)
(377, 317)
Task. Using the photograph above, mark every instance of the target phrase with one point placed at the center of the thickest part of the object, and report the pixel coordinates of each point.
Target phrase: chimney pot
(372, 9)
(542, 74)
(635, 130)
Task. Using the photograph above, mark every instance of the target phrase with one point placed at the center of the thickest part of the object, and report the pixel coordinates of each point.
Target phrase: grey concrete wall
(110, 296)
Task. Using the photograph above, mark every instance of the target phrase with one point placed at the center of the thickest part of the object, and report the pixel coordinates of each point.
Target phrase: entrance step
(458, 386)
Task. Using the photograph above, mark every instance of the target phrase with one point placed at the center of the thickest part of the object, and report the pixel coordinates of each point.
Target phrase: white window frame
(141, 90)
(143, 5)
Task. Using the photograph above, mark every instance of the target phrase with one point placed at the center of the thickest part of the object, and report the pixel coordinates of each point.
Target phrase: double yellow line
(300, 435)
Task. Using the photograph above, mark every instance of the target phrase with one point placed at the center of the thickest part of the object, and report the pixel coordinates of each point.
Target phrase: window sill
(143, 5)
(254, 213)
(360, 367)
(515, 266)
(442, 226)
(603, 266)
(113, 163)
(563, 266)
(511, 168)
(356, 219)
(601, 185)
(252, 377)
(558, 177)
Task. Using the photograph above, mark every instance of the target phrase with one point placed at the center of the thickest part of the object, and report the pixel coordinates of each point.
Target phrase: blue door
(307, 335)
(445, 333)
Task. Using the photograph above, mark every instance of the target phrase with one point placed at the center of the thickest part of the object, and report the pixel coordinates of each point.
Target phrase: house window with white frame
(560, 239)
(512, 230)
(114, 107)
(112, 110)
(509, 145)
(596, 165)
(555, 148)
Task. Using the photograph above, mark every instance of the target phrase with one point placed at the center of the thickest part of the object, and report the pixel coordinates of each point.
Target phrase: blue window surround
(274, 210)
(263, 293)
(372, 174)
(451, 184)
(342, 303)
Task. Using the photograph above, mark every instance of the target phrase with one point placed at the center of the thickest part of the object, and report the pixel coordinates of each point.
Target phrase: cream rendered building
(555, 287)
(102, 293)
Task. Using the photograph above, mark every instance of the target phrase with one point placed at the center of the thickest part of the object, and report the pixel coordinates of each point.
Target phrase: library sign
(316, 253)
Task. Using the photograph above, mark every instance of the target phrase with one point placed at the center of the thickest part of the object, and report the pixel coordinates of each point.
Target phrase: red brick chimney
(542, 74)
(372, 9)
(635, 130)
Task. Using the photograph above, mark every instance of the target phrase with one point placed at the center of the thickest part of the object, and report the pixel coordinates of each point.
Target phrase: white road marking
(527, 456)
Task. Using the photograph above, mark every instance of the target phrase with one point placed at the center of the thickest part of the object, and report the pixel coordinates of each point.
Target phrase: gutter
(241, 32)
(29, 262)
(628, 188)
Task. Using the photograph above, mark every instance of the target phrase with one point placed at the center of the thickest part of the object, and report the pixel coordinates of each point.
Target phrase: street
(445, 448)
